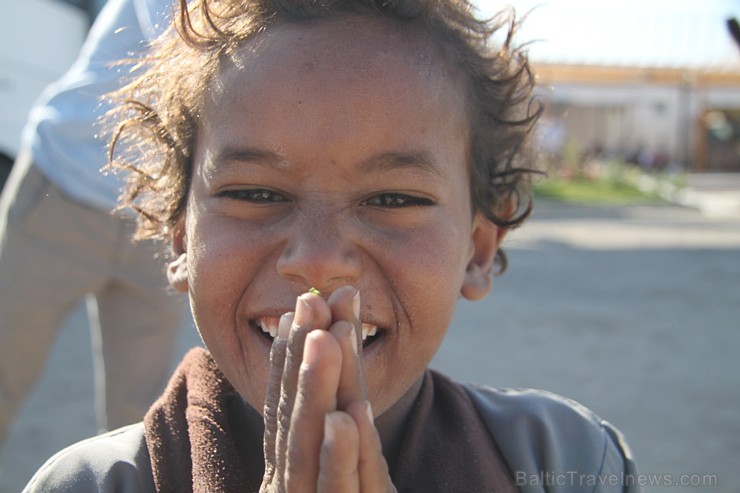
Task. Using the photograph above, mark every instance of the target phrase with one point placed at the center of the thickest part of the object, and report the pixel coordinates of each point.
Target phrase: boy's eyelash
(395, 199)
(266, 196)
(258, 195)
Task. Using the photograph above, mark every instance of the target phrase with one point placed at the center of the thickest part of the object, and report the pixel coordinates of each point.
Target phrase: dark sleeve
(114, 462)
(553, 444)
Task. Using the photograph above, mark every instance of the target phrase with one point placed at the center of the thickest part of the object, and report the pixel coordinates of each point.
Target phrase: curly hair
(157, 115)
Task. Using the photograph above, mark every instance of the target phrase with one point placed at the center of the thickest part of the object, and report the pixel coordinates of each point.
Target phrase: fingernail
(303, 312)
(353, 339)
(284, 325)
(356, 304)
(369, 411)
(310, 351)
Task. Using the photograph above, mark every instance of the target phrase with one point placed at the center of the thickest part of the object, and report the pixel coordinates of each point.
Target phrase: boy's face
(335, 155)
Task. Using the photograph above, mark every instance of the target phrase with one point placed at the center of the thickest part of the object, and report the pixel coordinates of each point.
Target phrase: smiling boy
(322, 171)
(371, 151)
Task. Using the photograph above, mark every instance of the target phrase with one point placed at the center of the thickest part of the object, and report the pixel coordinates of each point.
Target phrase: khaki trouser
(53, 253)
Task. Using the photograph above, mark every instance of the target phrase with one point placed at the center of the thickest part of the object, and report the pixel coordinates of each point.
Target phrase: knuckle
(284, 416)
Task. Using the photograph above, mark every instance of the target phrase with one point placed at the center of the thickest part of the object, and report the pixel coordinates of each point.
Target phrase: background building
(654, 82)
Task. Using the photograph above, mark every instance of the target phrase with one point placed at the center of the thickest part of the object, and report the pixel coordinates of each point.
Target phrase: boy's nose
(319, 255)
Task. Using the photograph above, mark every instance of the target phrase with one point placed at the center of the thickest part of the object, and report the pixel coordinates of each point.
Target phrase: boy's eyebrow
(387, 161)
(250, 154)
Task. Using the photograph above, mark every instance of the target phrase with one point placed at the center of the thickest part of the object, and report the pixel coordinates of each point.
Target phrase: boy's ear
(487, 238)
(177, 269)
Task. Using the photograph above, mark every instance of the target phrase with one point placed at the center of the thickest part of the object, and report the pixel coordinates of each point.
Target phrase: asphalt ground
(633, 311)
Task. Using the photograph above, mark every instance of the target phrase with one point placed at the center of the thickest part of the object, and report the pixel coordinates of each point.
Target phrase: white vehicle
(39, 40)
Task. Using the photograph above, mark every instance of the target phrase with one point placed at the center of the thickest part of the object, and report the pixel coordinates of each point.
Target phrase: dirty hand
(319, 432)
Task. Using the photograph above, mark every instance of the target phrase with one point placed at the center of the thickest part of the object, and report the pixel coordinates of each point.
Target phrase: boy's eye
(396, 200)
(257, 195)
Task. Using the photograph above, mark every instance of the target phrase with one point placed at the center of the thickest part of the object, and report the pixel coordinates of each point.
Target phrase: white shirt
(63, 130)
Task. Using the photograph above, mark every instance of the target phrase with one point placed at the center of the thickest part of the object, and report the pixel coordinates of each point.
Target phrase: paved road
(632, 311)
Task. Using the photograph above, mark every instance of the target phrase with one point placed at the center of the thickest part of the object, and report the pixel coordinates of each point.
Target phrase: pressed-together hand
(319, 431)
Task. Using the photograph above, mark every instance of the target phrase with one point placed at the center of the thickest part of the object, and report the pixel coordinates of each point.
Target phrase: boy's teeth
(368, 330)
(269, 325)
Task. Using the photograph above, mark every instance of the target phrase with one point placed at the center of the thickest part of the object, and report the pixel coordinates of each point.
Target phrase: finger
(345, 305)
(272, 396)
(351, 380)
(339, 455)
(311, 312)
(315, 397)
(372, 467)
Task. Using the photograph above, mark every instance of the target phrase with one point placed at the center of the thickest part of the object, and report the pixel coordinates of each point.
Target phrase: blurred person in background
(62, 241)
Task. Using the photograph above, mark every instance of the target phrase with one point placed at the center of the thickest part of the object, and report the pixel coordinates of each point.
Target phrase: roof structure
(657, 40)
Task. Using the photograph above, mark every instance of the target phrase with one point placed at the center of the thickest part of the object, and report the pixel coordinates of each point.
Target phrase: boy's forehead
(336, 81)
(350, 48)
